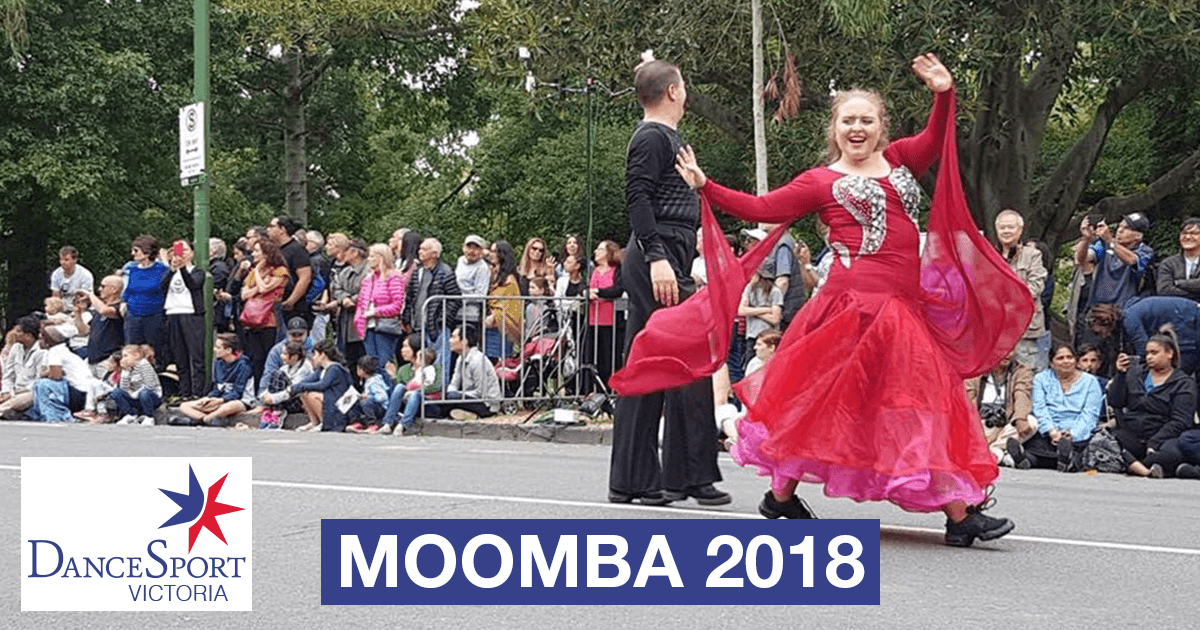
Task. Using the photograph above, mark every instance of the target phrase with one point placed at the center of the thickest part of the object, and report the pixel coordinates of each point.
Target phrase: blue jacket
(230, 379)
(1142, 317)
(332, 382)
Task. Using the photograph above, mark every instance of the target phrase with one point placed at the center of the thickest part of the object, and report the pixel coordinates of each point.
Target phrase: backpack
(315, 288)
(1103, 454)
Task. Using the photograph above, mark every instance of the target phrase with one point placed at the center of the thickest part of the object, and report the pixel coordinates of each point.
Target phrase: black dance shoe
(976, 525)
(794, 507)
(654, 497)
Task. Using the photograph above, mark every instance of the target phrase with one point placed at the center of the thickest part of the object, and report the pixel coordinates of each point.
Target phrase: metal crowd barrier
(558, 357)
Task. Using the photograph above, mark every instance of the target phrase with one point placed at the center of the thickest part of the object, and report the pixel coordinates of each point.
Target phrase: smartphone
(177, 249)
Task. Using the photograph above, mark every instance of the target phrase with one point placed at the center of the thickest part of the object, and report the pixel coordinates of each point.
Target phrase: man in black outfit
(663, 215)
(282, 230)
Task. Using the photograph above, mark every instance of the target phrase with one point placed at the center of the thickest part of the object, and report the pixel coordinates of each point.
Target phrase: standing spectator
(502, 326)
(282, 231)
(535, 263)
(232, 387)
(319, 393)
(600, 342)
(1067, 403)
(139, 392)
(762, 306)
(785, 267)
(571, 284)
(474, 279)
(1081, 281)
(396, 244)
(219, 268)
(322, 268)
(230, 295)
(1179, 275)
(572, 246)
(432, 319)
(144, 297)
(70, 277)
(106, 329)
(1025, 261)
(820, 271)
(184, 307)
(1143, 316)
(1120, 260)
(410, 251)
(380, 302)
(475, 387)
(1155, 402)
(23, 358)
(262, 290)
(344, 295)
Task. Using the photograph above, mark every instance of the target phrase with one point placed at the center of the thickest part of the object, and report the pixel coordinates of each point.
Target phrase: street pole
(200, 42)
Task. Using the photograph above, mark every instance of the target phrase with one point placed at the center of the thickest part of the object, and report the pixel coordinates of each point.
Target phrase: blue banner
(620, 562)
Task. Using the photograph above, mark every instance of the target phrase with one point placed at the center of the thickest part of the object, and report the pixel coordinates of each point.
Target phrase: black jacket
(1159, 415)
(193, 280)
(444, 282)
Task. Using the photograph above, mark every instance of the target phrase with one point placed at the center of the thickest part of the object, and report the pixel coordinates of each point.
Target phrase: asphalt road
(1088, 551)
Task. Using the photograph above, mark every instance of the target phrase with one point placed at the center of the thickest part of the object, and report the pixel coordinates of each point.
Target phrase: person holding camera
(1066, 403)
(1004, 398)
(1121, 259)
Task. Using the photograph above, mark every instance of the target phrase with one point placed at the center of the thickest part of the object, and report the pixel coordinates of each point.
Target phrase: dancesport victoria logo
(136, 534)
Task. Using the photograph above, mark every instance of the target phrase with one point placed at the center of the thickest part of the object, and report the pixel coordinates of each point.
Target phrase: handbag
(389, 325)
(258, 312)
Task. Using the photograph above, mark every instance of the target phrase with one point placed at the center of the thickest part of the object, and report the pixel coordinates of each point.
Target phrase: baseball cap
(756, 233)
(297, 324)
(475, 239)
(1137, 221)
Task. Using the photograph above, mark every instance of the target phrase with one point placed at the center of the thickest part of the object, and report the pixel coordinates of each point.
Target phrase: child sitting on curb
(278, 401)
(374, 398)
(139, 392)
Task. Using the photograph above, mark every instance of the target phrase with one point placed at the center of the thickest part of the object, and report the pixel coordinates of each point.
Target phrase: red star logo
(208, 519)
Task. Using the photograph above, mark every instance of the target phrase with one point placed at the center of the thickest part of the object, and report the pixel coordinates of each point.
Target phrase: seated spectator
(320, 392)
(278, 398)
(51, 395)
(1089, 361)
(70, 277)
(418, 379)
(1120, 259)
(144, 296)
(106, 328)
(57, 315)
(84, 388)
(373, 400)
(764, 349)
(232, 389)
(81, 319)
(1004, 398)
(1179, 275)
(139, 392)
(1154, 403)
(1189, 448)
(1106, 332)
(184, 309)
(1066, 403)
(297, 333)
(502, 325)
(474, 388)
(1142, 316)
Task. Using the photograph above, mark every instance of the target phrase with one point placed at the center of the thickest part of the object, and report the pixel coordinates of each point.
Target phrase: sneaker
(977, 525)
(355, 428)
(706, 494)
(792, 508)
(127, 419)
(1156, 471)
(146, 421)
(1187, 471)
(462, 414)
(1065, 451)
(386, 429)
(311, 426)
(1017, 452)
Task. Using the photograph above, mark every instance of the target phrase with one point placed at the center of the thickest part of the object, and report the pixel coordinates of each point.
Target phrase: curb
(466, 429)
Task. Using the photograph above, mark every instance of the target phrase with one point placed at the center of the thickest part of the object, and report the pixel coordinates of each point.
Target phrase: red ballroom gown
(865, 392)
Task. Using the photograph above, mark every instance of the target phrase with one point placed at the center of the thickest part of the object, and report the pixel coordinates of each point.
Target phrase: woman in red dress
(865, 393)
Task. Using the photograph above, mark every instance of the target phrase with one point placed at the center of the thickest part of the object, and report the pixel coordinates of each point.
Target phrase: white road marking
(395, 447)
(1182, 551)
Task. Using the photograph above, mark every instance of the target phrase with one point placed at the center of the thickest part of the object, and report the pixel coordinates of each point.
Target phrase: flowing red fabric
(975, 307)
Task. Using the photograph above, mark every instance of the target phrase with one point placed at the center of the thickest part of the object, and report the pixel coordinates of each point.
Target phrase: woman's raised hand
(929, 69)
(688, 169)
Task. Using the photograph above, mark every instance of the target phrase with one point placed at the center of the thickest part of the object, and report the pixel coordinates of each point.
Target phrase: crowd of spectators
(370, 338)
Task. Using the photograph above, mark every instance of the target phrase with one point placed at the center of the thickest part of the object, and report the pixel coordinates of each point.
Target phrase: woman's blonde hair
(832, 152)
(386, 258)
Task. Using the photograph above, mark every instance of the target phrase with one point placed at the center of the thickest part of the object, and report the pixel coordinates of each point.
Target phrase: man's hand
(1123, 362)
(666, 288)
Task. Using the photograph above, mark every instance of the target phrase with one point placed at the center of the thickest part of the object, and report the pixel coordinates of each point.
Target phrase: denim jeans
(144, 404)
(380, 345)
(410, 404)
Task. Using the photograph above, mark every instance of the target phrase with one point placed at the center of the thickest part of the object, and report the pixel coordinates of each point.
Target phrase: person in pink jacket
(380, 300)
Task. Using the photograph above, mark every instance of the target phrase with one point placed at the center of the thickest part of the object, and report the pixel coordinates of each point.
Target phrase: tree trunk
(760, 125)
(294, 133)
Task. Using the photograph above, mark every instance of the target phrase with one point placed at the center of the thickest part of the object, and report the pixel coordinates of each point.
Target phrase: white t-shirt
(75, 369)
(179, 299)
(80, 280)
